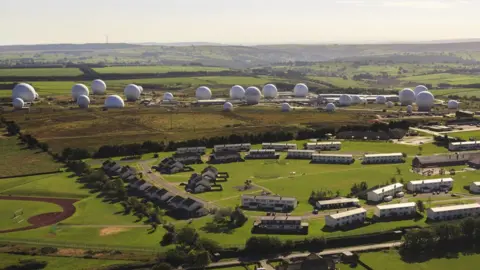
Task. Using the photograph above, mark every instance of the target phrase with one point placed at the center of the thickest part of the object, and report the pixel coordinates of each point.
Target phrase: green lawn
(466, 135)
(391, 260)
(438, 78)
(17, 160)
(59, 263)
(39, 72)
(155, 69)
(30, 209)
(52, 185)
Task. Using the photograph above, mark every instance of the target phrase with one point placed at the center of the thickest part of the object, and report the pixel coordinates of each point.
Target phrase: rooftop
(281, 218)
(387, 188)
(301, 151)
(384, 155)
(445, 158)
(476, 183)
(465, 143)
(431, 181)
(348, 213)
(332, 155)
(262, 151)
(455, 207)
(260, 197)
(324, 143)
(339, 200)
(396, 205)
(290, 144)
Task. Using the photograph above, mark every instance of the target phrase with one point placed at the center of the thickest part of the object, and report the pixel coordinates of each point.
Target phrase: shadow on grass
(346, 228)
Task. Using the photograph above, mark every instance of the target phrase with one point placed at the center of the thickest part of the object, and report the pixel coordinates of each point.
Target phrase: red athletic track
(45, 219)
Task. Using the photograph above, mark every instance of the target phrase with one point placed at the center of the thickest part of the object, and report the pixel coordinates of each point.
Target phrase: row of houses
(324, 146)
(320, 158)
(464, 146)
(171, 166)
(206, 181)
(279, 146)
(280, 224)
(262, 154)
(269, 203)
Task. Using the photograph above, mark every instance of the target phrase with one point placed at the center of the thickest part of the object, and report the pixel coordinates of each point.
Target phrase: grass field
(59, 263)
(388, 260)
(466, 135)
(51, 185)
(17, 160)
(29, 209)
(435, 79)
(340, 82)
(39, 72)
(155, 69)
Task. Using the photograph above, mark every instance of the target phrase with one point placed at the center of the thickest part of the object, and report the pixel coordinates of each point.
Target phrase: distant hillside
(66, 47)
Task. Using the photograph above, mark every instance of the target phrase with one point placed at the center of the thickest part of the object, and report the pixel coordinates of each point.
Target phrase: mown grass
(154, 69)
(39, 72)
(392, 260)
(466, 135)
(29, 209)
(16, 159)
(59, 263)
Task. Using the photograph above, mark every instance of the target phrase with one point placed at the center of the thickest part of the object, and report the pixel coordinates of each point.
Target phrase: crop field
(24, 210)
(154, 69)
(58, 263)
(392, 260)
(39, 72)
(32, 161)
(435, 79)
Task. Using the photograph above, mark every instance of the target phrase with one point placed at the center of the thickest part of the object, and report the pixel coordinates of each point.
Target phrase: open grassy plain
(39, 72)
(17, 159)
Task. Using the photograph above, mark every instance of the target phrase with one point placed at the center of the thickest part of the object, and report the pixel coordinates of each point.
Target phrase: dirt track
(44, 219)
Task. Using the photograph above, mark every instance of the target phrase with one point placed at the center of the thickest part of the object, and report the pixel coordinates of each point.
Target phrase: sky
(237, 21)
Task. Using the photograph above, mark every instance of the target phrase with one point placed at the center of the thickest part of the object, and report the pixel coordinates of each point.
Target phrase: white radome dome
(252, 95)
(237, 92)
(114, 101)
(419, 89)
(390, 104)
(356, 99)
(381, 100)
(286, 107)
(409, 109)
(141, 88)
(453, 104)
(345, 100)
(270, 91)
(407, 96)
(330, 107)
(132, 92)
(83, 101)
(300, 90)
(425, 101)
(78, 90)
(228, 107)
(24, 91)
(99, 87)
(18, 103)
(168, 96)
(203, 93)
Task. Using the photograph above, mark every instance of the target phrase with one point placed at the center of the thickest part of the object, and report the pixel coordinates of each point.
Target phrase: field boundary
(30, 174)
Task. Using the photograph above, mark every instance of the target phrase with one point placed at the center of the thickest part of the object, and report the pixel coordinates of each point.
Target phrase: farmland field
(391, 260)
(435, 79)
(39, 72)
(155, 69)
(59, 263)
(28, 210)
(27, 161)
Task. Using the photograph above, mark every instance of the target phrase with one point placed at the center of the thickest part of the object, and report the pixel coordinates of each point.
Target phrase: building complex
(281, 224)
(279, 146)
(453, 211)
(269, 203)
(337, 203)
(239, 147)
(429, 185)
(379, 194)
(324, 146)
(396, 210)
(383, 158)
(356, 216)
(332, 158)
(300, 154)
(464, 146)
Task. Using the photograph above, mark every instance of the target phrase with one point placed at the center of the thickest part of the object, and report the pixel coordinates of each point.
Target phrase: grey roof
(446, 158)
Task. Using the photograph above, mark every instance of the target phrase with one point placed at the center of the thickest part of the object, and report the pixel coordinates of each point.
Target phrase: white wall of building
(453, 211)
(378, 194)
(429, 185)
(395, 210)
(334, 159)
(346, 218)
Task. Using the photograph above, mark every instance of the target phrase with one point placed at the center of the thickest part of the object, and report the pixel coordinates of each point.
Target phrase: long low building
(356, 216)
(379, 194)
(225, 157)
(324, 146)
(383, 158)
(300, 154)
(239, 147)
(269, 203)
(396, 210)
(453, 211)
(262, 154)
(281, 224)
(279, 146)
(475, 187)
(464, 146)
(453, 159)
(197, 150)
(333, 158)
(429, 185)
(337, 203)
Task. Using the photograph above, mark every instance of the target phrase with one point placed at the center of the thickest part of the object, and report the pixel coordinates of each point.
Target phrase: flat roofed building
(239, 147)
(453, 211)
(356, 216)
(337, 203)
(464, 146)
(281, 223)
(300, 154)
(275, 203)
(475, 187)
(197, 150)
(332, 158)
(383, 158)
(262, 154)
(324, 146)
(188, 158)
(453, 159)
(377, 195)
(395, 210)
(225, 157)
(429, 185)
(279, 146)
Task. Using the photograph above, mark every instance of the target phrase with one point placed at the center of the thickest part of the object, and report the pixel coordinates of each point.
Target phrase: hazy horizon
(249, 22)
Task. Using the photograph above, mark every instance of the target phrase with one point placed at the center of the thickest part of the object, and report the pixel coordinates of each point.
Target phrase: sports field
(154, 69)
(39, 72)
(15, 214)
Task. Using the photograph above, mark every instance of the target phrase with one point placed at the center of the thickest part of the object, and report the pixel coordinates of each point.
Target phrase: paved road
(325, 252)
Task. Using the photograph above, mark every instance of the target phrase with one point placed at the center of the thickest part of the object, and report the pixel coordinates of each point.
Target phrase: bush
(168, 239)
(48, 250)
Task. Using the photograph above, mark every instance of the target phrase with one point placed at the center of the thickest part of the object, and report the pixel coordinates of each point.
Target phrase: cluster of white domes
(114, 101)
(419, 89)
(228, 107)
(132, 92)
(270, 91)
(252, 95)
(345, 100)
(18, 103)
(330, 107)
(237, 92)
(203, 93)
(300, 90)
(424, 99)
(356, 99)
(286, 107)
(407, 97)
(453, 104)
(168, 96)
(390, 104)
(83, 101)
(99, 87)
(24, 91)
(79, 90)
